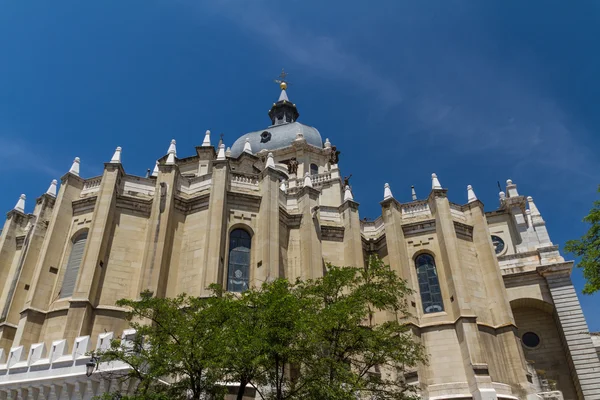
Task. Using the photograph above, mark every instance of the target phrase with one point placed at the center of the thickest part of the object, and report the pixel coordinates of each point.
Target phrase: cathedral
(493, 300)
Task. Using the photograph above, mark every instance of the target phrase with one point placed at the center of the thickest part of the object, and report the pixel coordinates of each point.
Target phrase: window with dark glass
(73, 265)
(238, 269)
(429, 284)
(314, 169)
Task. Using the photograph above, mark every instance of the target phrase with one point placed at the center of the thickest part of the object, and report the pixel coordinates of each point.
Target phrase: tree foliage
(588, 248)
(341, 336)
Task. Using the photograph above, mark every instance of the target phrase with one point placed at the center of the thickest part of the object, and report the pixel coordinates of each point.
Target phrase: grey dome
(281, 136)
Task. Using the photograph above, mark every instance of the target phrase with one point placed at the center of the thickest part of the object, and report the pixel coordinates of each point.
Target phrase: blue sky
(478, 92)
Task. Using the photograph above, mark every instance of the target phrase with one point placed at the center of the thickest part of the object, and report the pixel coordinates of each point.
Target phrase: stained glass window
(238, 273)
(429, 284)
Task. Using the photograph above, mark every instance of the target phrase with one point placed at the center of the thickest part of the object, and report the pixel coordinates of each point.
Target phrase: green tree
(336, 337)
(175, 352)
(588, 248)
(355, 355)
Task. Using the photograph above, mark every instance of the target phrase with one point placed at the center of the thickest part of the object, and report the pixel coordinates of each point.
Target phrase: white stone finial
(282, 187)
(75, 167)
(532, 206)
(348, 193)
(228, 152)
(511, 188)
(20, 206)
(116, 158)
(307, 180)
(435, 183)
(206, 142)
(52, 189)
(155, 171)
(172, 153)
(221, 153)
(270, 161)
(502, 196)
(172, 147)
(327, 143)
(247, 147)
(471, 194)
(413, 193)
(387, 192)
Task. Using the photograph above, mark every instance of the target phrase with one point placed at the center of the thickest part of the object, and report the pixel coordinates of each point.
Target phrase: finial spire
(348, 193)
(270, 161)
(471, 194)
(75, 167)
(52, 189)
(20, 206)
(413, 193)
(283, 111)
(387, 192)
(247, 147)
(172, 153)
(228, 152)
(435, 183)
(502, 196)
(221, 153)
(533, 207)
(155, 171)
(116, 158)
(511, 188)
(307, 180)
(206, 142)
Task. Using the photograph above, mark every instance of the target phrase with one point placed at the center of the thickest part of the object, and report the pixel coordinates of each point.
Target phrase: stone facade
(504, 322)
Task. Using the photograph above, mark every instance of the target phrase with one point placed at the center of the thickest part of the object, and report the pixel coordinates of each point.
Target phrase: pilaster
(353, 250)
(39, 296)
(213, 270)
(267, 234)
(159, 239)
(311, 253)
(21, 280)
(79, 317)
(582, 356)
(467, 331)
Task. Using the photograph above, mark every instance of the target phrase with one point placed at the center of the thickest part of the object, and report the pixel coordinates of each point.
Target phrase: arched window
(238, 270)
(429, 285)
(314, 169)
(73, 265)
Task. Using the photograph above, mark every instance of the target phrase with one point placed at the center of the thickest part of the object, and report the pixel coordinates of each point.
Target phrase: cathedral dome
(284, 130)
(277, 137)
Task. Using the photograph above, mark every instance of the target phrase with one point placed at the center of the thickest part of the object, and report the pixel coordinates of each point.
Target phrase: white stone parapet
(57, 372)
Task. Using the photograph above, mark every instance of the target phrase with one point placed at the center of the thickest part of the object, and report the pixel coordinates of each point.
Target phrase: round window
(531, 340)
(498, 244)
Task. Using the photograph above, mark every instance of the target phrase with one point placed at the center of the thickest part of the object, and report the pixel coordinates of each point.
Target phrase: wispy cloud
(17, 155)
(320, 53)
(454, 95)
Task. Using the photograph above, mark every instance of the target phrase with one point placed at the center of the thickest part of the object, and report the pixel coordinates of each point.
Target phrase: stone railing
(244, 182)
(91, 185)
(318, 181)
(57, 373)
(416, 209)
